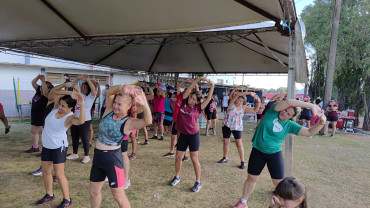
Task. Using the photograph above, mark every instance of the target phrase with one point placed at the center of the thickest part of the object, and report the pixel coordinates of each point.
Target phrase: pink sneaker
(240, 204)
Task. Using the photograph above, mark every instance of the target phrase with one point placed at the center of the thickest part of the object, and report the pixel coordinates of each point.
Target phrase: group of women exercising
(127, 111)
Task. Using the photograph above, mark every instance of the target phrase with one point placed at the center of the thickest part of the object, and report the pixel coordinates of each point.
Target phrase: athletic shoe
(32, 150)
(242, 165)
(7, 130)
(223, 160)
(206, 134)
(323, 135)
(197, 186)
(127, 184)
(106, 179)
(214, 132)
(161, 138)
(46, 199)
(240, 204)
(185, 158)
(65, 203)
(132, 156)
(175, 181)
(154, 137)
(169, 154)
(146, 142)
(37, 172)
(137, 141)
(72, 156)
(86, 159)
(331, 135)
(55, 179)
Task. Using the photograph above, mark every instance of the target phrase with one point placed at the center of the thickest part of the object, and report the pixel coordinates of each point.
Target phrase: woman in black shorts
(187, 125)
(233, 123)
(267, 142)
(115, 124)
(332, 111)
(55, 145)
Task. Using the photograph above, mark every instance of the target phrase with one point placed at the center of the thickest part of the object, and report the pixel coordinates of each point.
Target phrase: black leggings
(82, 131)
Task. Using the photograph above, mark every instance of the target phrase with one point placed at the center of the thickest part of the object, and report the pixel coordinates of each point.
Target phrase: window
(220, 81)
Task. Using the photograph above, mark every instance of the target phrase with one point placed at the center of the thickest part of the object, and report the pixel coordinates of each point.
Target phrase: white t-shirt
(225, 101)
(89, 101)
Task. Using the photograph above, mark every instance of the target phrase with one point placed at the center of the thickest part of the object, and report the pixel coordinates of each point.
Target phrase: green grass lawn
(335, 170)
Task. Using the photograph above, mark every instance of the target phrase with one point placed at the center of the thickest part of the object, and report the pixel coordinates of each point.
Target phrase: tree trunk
(366, 124)
(332, 52)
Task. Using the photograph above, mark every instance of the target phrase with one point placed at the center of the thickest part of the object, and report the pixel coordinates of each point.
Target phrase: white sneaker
(86, 159)
(127, 184)
(72, 156)
(214, 132)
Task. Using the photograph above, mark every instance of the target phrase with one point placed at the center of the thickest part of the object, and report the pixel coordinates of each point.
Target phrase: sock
(35, 146)
(244, 201)
(155, 135)
(197, 181)
(177, 177)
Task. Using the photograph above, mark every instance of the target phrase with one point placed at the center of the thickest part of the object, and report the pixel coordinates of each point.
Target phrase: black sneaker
(161, 138)
(32, 150)
(185, 158)
(197, 186)
(47, 198)
(223, 160)
(154, 137)
(65, 203)
(55, 179)
(242, 165)
(169, 154)
(146, 142)
(7, 130)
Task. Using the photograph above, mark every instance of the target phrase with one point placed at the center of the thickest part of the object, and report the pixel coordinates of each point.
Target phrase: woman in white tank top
(55, 144)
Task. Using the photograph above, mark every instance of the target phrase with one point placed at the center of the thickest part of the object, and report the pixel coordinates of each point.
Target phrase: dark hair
(88, 87)
(291, 188)
(50, 86)
(198, 95)
(155, 91)
(318, 100)
(70, 101)
(169, 94)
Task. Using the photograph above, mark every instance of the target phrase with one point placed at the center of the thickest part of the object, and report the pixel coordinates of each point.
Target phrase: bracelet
(122, 86)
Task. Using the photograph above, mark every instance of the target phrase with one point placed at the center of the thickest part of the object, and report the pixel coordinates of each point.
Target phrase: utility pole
(332, 52)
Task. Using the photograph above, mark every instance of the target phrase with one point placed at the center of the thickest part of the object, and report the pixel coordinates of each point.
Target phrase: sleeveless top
(158, 104)
(54, 134)
(234, 119)
(167, 110)
(111, 131)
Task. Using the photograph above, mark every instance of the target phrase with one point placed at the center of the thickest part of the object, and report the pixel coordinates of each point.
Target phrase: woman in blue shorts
(268, 138)
(117, 122)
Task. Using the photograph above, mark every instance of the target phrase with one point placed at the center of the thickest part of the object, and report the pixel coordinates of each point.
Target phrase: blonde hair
(132, 111)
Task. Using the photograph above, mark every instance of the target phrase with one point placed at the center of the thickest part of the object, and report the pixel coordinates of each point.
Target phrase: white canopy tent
(158, 36)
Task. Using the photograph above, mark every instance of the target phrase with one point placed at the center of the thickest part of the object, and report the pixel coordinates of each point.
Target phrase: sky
(257, 81)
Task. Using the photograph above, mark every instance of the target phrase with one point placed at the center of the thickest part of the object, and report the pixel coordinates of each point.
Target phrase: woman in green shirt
(268, 139)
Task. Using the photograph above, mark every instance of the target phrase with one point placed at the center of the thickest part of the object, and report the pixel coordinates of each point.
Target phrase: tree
(351, 78)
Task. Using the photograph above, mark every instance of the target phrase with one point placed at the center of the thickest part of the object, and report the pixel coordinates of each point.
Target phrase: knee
(118, 197)
(238, 143)
(227, 141)
(252, 179)
(60, 176)
(46, 172)
(179, 157)
(94, 193)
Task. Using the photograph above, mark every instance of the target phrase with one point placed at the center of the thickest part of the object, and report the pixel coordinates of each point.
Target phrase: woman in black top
(39, 102)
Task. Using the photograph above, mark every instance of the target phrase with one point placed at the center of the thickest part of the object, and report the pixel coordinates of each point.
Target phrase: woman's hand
(131, 89)
(140, 98)
(69, 84)
(322, 117)
(316, 110)
(275, 203)
(42, 78)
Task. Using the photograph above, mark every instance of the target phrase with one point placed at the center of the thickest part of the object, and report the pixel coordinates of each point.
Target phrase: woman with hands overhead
(88, 91)
(187, 125)
(117, 122)
(233, 122)
(55, 145)
(268, 138)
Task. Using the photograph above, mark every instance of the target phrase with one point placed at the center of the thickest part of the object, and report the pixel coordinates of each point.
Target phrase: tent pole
(176, 79)
(289, 140)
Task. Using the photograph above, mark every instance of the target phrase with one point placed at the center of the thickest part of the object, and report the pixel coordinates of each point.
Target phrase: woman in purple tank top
(332, 110)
